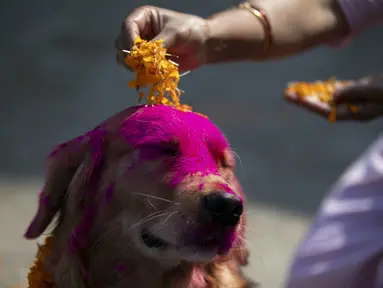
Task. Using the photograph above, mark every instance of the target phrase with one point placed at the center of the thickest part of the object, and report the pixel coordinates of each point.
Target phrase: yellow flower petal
(322, 90)
(132, 84)
(153, 70)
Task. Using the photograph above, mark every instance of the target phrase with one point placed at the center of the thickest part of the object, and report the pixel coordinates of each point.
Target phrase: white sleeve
(344, 247)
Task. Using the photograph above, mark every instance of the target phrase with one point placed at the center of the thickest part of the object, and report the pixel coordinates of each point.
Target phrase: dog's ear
(62, 164)
(78, 157)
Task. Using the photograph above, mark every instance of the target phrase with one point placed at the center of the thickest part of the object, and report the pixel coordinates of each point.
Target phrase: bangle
(261, 16)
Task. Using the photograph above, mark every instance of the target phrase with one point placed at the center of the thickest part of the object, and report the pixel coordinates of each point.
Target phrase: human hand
(184, 35)
(366, 94)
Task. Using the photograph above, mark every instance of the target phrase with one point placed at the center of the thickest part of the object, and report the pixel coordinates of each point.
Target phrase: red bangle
(261, 16)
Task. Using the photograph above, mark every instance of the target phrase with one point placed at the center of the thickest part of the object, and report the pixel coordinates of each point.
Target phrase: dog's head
(164, 177)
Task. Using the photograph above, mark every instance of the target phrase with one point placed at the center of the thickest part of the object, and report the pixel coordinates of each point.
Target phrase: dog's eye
(160, 149)
(170, 150)
(226, 159)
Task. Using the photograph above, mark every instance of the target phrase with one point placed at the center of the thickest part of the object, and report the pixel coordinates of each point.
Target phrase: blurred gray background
(59, 79)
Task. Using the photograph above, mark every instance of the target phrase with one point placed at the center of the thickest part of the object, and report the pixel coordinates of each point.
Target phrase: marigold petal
(322, 90)
(132, 84)
(154, 70)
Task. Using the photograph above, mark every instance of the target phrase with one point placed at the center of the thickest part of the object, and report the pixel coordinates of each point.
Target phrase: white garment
(344, 247)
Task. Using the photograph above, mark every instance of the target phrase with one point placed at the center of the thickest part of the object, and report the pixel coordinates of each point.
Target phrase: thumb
(349, 94)
(358, 93)
(365, 112)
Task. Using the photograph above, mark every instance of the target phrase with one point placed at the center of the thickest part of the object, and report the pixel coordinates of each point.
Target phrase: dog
(147, 199)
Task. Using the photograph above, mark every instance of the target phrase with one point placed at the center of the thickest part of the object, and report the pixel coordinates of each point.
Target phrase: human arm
(236, 35)
(297, 26)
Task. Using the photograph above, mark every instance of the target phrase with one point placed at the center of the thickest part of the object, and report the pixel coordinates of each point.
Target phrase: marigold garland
(38, 277)
(148, 59)
(323, 90)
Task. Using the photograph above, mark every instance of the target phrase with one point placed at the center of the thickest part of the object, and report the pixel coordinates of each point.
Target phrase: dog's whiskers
(242, 241)
(104, 235)
(167, 218)
(151, 204)
(249, 211)
(152, 228)
(241, 248)
(155, 197)
(142, 221)
(148, 219)
(240, 162)
(245, 241)
(250, 229)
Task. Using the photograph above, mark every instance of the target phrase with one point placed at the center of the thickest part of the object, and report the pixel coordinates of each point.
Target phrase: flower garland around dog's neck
(38, 276)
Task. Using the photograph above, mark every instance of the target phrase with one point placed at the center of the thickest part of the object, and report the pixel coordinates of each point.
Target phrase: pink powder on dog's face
(191, 143)
(194, 144)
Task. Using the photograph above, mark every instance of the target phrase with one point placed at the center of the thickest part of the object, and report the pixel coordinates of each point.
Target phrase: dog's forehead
(164, 123)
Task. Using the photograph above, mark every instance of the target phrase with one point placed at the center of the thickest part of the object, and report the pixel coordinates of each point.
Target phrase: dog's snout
(225, 208)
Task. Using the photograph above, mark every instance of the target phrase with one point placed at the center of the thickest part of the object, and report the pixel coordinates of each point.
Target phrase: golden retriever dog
(147, 199)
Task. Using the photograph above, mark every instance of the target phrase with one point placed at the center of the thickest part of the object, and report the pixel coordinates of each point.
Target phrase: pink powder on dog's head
(79, 235)
(190, 143)
(195, 141)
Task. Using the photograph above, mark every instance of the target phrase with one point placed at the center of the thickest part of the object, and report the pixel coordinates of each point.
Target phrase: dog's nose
(225, 208)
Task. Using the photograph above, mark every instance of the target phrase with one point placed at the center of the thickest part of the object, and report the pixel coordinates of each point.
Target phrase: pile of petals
(148, 59)
(322, 90)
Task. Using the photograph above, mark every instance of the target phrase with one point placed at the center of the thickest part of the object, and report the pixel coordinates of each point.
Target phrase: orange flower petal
(322, 90)
(153, 70)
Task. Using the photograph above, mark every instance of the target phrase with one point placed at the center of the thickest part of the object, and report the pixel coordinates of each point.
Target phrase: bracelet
(261, 16)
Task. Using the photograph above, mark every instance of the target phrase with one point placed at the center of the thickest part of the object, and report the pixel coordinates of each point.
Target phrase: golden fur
(112, 239)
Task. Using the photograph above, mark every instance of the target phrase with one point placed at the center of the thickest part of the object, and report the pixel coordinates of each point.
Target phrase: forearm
(297, 26)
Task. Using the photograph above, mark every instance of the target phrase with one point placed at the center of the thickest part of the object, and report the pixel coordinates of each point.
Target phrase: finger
(169, 36)
(359, 93)
(349, 94)
(120, 55)
(138, 23)
(118, 44)
(120, 59)
(364, 113)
